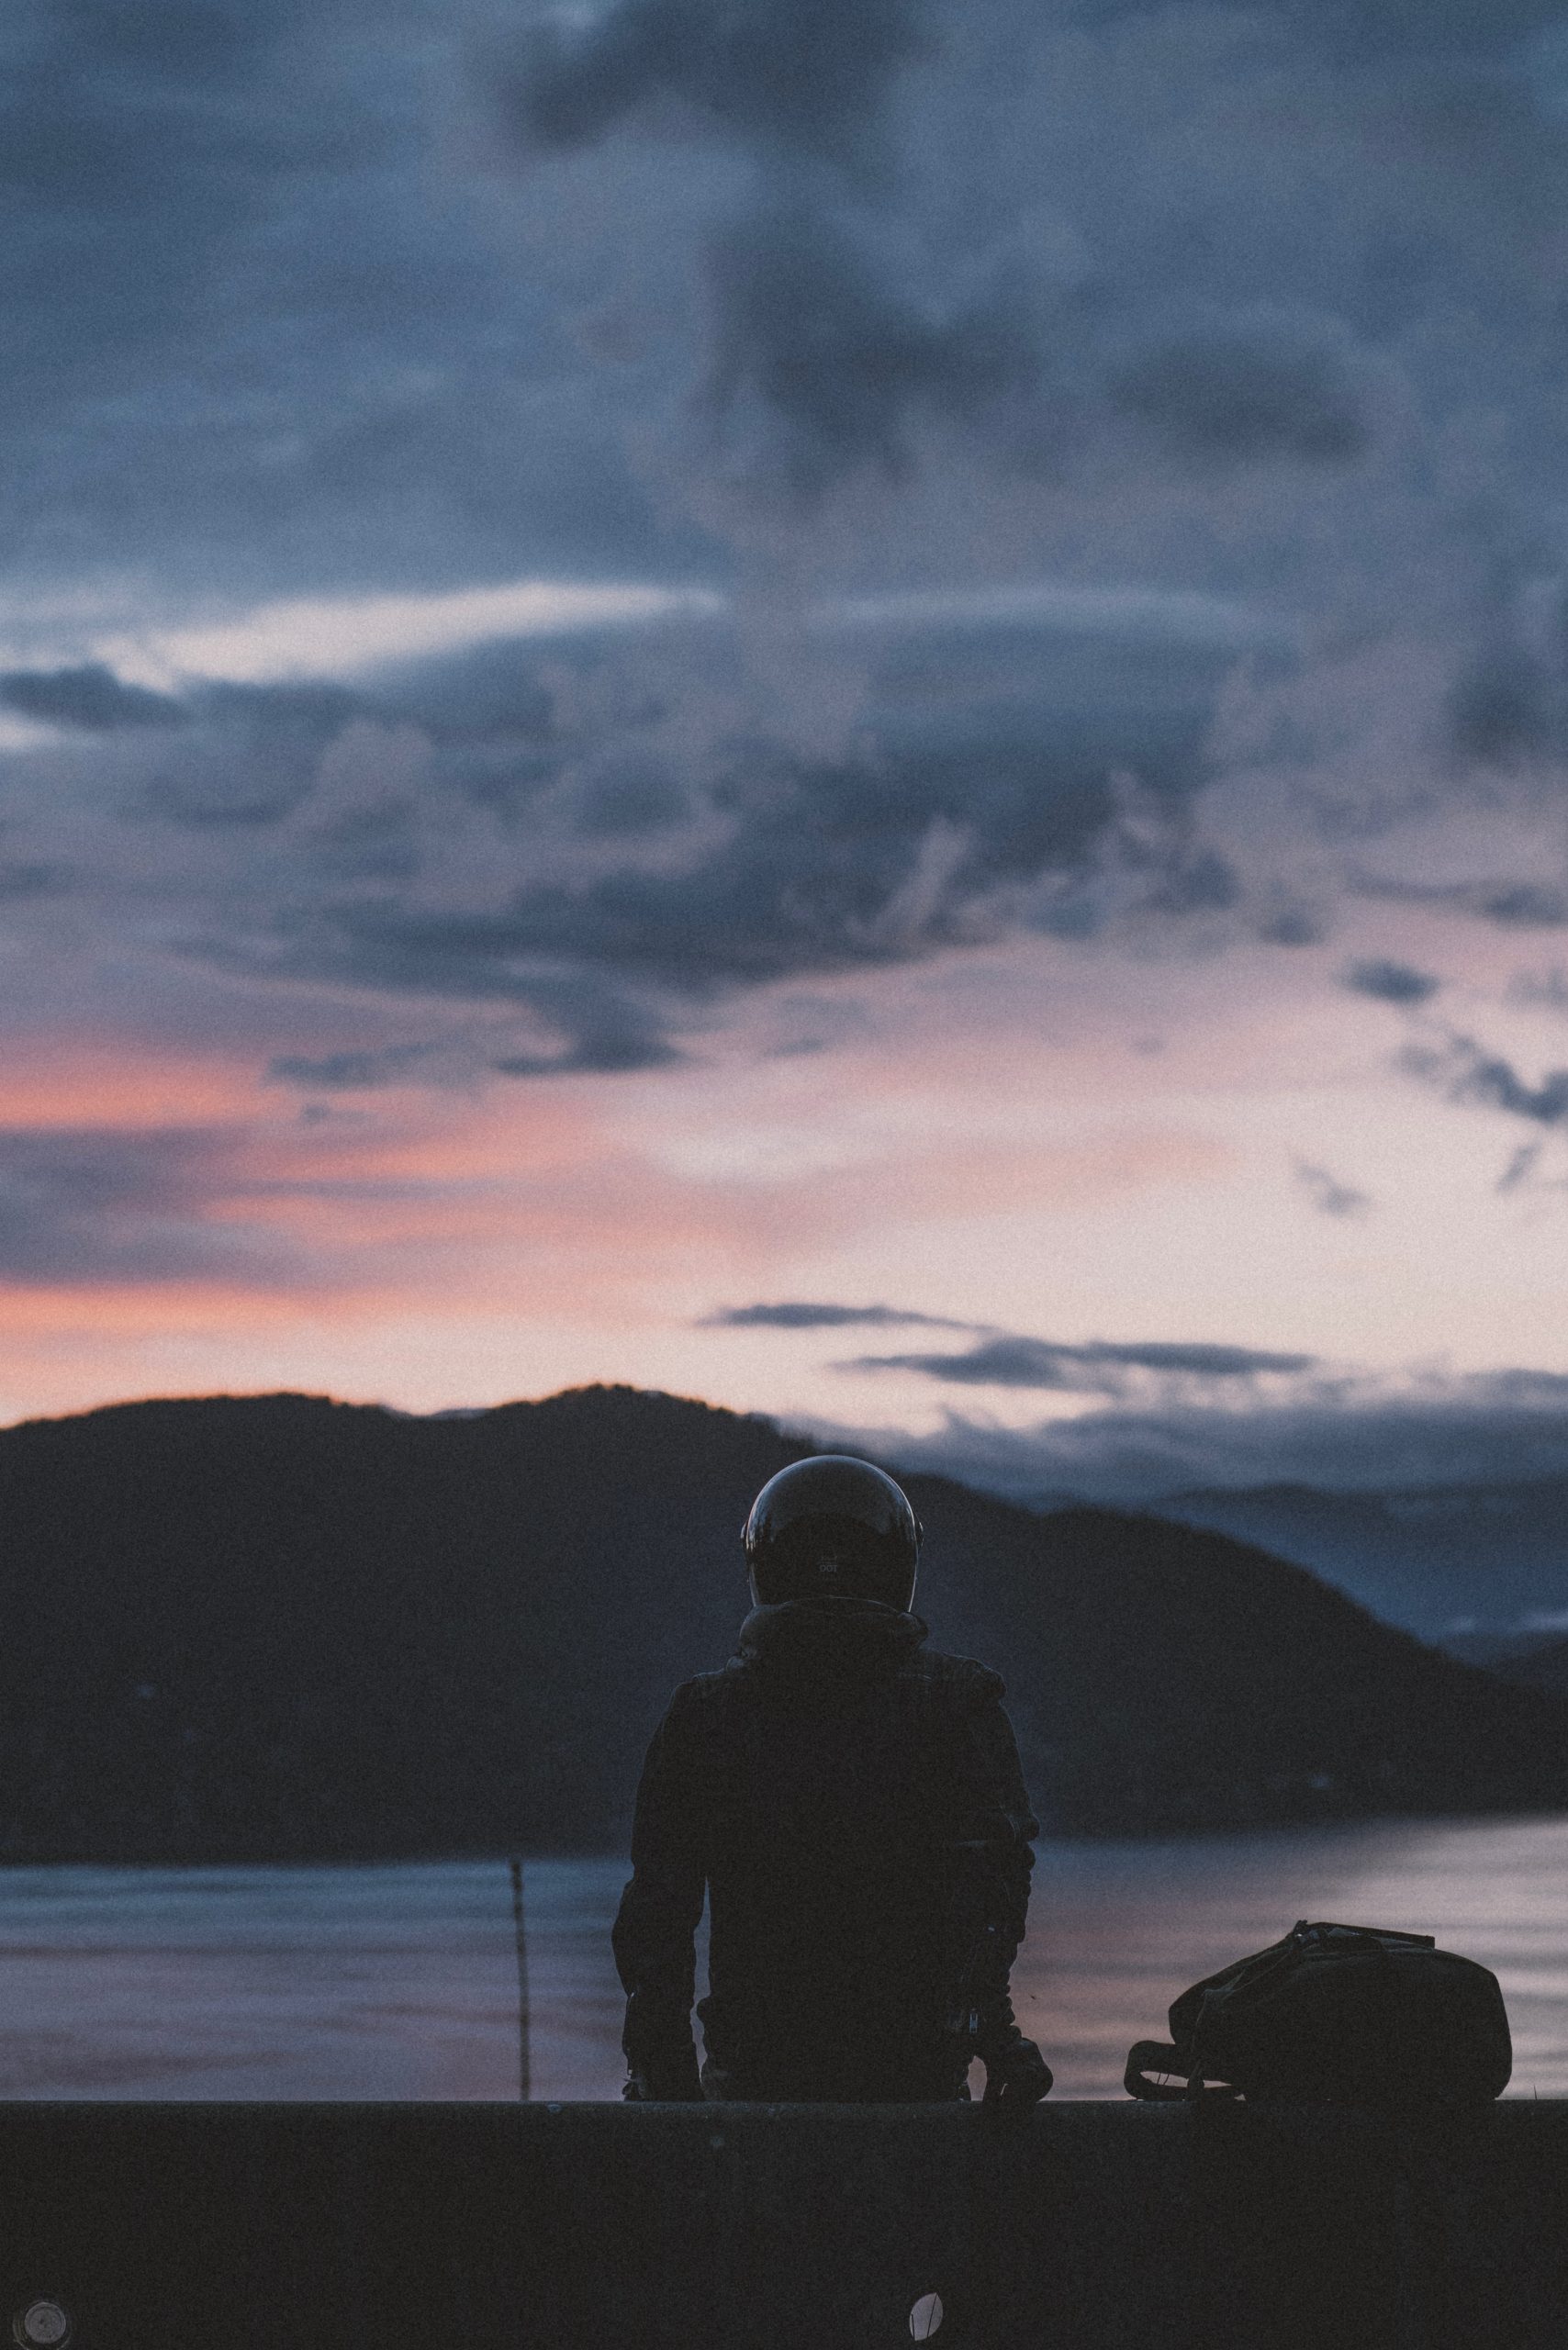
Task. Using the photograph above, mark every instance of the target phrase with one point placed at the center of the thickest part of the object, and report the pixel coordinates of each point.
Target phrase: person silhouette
(850, 1801)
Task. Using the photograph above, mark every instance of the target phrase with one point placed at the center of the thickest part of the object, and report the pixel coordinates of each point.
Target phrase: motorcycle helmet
(832, 1526)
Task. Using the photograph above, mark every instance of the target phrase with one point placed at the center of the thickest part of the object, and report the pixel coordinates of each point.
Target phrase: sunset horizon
(667, 721)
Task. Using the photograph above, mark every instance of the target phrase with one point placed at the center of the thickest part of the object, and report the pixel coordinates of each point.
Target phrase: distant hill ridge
(279, 1626)
(1426, 1557)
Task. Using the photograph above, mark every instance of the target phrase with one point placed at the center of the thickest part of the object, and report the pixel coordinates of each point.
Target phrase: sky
(855, 706)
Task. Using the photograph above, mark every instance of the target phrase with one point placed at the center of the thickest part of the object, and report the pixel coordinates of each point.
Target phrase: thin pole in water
(524, 2087)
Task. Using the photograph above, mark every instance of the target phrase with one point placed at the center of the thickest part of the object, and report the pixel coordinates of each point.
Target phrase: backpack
(1338, 2015)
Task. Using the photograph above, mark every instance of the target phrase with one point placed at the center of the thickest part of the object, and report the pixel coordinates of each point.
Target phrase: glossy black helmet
(834, 1527)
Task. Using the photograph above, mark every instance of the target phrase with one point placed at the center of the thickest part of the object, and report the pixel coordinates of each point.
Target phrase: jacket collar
(821, 1633)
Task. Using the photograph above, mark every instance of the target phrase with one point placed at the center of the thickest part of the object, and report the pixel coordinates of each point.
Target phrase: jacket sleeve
(1002, 1825)
(662, 1905)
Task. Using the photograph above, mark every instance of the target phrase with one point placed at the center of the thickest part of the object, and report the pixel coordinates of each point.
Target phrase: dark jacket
(852, 1802)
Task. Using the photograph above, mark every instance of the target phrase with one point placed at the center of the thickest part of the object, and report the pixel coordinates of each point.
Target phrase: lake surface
(401, 1981)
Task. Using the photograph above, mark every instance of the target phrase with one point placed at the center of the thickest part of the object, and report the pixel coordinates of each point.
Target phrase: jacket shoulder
(961, 1682)
(702, 1702)
(699, 1689)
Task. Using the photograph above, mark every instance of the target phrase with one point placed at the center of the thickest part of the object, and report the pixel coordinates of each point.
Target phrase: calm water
(401, 1982)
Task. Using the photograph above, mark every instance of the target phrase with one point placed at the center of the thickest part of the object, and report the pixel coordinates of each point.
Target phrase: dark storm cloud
(1466, 1072)
(90, 696)
(1510, 706)
(296, 713)
(349, 1072)
(597, 837)
(804, 74)
(589, 1022)
(1131, 300)
(684, 877)
(1329, 1195)
(270, 325)
(606, 1031)
(1394, 27)
(487, 693)
(628, 796)
(1290, 926)
(777, 900)
(598, 1053)
(1512, 905)
(96, 1205)
(1525, 905)
(1247, 389)
(1496, 1430)
(20, 880)
(259, 339)
(810, 336)
(1007, 1362)
(1202, 882)
(253, 755)
(1466, 37)
(1388, 982)
(797, 1315)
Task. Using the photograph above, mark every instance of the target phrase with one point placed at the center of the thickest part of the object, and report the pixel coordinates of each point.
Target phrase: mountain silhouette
(1538, 1660)
(1489, 1556)
(279, 1626)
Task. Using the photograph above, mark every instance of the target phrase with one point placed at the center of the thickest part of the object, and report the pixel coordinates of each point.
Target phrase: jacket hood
(822, 1634)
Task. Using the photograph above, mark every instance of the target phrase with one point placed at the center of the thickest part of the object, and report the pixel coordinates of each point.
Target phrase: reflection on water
(400, 1981)
(1117, 1930)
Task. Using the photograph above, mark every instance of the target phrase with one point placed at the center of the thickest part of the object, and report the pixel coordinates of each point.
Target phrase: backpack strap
(1147, 2056)
(1158, 2056)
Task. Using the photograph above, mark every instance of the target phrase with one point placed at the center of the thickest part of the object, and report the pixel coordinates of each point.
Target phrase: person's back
(853, 1802)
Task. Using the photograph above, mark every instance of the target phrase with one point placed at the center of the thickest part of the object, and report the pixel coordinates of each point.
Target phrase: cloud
(1473, 28)
(1546, 988)
(1126, 351)
(393, 391)
(254, 754)
(1465, 1071)
(1389, 982)
(823, 366)
(90, 697)
(1503, 1428)
(351, 1072)
(796, 1315)
(774, 901)
(1520, 1166)
(1098, 1368)
(85, 1204)
(1511, 905)
(1509, 706)
(803, 76)
(613, 834)
(1356, 30)
(1243, 390)
(328, 637)
(595, 1054)
(19, 879)
(1526, 905)
(264, 169)
(1330, 1196)
(619, 842)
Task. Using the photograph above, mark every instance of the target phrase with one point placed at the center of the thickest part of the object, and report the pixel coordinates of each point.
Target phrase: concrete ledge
(497, 2227)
